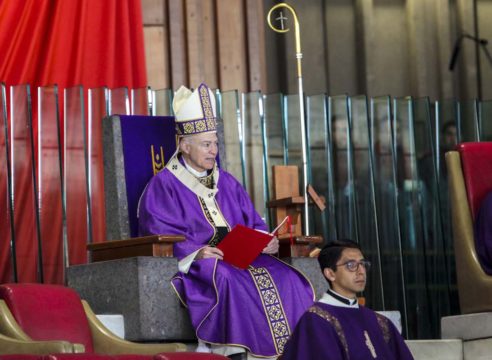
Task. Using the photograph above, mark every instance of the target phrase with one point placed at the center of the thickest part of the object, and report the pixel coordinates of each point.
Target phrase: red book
(242, 245)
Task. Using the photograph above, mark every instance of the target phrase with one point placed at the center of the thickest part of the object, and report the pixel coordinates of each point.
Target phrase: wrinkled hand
(272, 247)
(210, 252)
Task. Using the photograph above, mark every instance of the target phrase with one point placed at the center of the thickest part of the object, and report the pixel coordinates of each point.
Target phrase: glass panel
(74, 176)
(234, 161)
(49, 184)
(23, 187)
(119, 103)
(413, 223)
(468, 120)
(8, 265)
(318, 171)
(344, 192)
(254, 151)
(98, 105)
(140, 101)
(162, 102)
(485, 123)
(388, 215)
(364, 186)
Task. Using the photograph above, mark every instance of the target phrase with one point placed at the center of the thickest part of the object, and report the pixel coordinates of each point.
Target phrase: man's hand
(210, 252)
(272, 247)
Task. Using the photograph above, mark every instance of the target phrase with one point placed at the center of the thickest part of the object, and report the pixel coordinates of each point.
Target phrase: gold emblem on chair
(157, 159)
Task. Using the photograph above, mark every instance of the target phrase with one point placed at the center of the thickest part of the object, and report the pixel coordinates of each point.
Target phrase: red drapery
(92, 43)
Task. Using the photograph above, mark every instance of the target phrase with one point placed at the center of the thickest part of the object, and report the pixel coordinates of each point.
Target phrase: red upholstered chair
(51, 312)
(470, 179)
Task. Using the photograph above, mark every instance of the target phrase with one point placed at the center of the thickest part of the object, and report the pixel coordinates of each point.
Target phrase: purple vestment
(255, 308)
(328, 332)
(483, 234)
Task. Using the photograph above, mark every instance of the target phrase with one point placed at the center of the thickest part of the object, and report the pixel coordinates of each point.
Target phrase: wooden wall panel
(177, 43)
(201, 45)
(256, 19)
(231, 35)
(156, 57)
(153, 12)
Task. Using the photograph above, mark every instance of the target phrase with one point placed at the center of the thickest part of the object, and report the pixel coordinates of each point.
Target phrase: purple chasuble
(483, 234)
(255, 308)
(328, 332)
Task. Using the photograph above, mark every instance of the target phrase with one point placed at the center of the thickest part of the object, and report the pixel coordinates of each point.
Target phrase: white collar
(197, 174)
(330, 300)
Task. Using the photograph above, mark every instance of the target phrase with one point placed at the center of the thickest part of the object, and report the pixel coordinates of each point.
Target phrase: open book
(242, 245)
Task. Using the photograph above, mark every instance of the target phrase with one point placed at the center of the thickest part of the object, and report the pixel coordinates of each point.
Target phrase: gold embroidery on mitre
(272, 305)
(369, 345)
(157, 161)
(189, 128)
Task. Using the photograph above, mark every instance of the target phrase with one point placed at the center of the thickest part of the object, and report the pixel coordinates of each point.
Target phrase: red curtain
(93, 43)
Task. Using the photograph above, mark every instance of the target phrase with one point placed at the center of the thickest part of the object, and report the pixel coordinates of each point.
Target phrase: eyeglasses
(353, 265)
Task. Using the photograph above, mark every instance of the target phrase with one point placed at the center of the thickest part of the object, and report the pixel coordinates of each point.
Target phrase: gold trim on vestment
(272, 305)
(383, 322)
(322, 313)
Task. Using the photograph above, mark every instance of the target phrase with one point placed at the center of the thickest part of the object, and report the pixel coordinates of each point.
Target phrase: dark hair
(332, 252)
(447, 125)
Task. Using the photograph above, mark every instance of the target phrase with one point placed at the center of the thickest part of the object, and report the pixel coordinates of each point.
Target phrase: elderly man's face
(200, 151)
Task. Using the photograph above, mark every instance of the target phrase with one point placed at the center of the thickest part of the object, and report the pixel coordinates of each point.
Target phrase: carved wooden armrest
(301, 245)
(153, 245)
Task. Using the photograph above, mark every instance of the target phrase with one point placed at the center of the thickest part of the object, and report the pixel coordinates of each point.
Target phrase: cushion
(48, 312)
(476, 161)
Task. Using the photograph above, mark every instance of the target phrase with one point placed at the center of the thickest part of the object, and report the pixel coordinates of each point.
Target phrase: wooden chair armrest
(105, 342)
(15, 346)
(153, 245)
(288, 201)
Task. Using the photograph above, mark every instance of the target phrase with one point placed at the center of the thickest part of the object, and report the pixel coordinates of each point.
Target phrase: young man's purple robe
(328, 332)
(483, 234)
(255, 308)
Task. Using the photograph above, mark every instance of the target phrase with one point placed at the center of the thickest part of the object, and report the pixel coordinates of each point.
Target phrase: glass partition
(119, 104)
(161, 101)
(364, 196)
(253, 147)
(51, 213)
(98, 105)
(235, 161)
(79, 227)
(8, 256)
(384, 161)
(140, 101)
(24, 199)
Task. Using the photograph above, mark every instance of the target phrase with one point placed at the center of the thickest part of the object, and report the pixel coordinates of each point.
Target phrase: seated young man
(232, 310)
(336, 327)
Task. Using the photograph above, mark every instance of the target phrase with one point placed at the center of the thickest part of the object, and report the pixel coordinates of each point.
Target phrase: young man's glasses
(353, 265)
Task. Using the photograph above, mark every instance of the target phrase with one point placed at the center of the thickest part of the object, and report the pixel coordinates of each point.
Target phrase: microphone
(456, 51)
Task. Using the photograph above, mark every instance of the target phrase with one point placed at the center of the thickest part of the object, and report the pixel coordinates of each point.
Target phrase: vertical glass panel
(468, 120)
(365, 207)
(8, 268)
(388, 215)
(293, 133)
(50, 184)
(436, 249)
(22, 181)
(414, 236)
(344, 191)
(97, 110)
(234, 161)
(254, 151)
(162, 102)
(74, 176)
(317, 139)
(485, 123)
(119, 104)
(140, 101)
